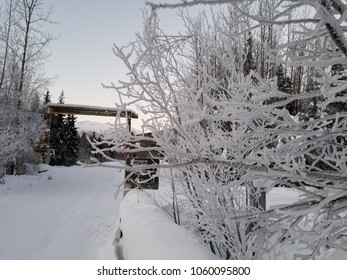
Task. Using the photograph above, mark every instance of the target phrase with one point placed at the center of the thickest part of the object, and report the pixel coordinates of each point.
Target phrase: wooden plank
(89, 110)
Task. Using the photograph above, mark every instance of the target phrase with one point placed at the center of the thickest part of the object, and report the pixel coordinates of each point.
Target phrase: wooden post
(127, 185)
(129, 121)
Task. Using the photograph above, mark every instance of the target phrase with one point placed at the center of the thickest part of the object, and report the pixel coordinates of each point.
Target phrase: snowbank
(149, 233)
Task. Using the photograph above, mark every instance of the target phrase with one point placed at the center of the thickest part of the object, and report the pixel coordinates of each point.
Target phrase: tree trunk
(7, 43)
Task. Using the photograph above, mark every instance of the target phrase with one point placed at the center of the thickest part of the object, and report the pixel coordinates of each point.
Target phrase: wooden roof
(88, 110)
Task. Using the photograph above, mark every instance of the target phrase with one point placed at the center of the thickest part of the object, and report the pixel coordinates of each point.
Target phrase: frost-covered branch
(187, 4)
(235, 111)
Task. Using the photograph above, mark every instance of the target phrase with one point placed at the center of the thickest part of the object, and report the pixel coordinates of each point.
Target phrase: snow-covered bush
(21, 128)
(226, 131)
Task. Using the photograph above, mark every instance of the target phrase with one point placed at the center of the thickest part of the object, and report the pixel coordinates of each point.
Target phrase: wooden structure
(146, 178)
(88, 110)
(54, 109)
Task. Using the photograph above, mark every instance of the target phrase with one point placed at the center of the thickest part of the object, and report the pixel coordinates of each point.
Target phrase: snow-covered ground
(64, 213)
(73, 213)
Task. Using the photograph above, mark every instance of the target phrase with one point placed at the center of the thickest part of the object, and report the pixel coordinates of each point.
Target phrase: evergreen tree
(64, 138)
(56, 140)
(70, 140)
(47, 98)
(57, 137)
(61, 99)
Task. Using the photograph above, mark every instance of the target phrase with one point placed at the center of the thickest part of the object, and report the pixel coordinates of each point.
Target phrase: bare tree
(6, 36)
(32, 40)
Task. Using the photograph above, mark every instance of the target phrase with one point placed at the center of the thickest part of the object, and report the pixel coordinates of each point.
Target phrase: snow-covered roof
(88, 110)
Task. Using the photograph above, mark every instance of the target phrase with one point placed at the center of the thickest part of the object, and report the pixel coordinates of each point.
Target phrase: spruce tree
(64, 138)
(57, 137)
(70, 141)
(61, 99)
(47, 98)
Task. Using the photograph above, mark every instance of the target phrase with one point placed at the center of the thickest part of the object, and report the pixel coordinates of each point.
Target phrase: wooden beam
(89, 110)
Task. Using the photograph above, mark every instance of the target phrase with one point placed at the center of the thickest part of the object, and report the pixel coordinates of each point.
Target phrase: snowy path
(70, 216)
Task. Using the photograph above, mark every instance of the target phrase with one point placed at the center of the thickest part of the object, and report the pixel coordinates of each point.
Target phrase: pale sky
(82, 58)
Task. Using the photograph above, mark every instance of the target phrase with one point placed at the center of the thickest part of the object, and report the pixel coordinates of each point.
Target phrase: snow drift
(163, 239)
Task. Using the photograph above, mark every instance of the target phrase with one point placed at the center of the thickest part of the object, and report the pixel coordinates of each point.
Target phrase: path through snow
(64, 213)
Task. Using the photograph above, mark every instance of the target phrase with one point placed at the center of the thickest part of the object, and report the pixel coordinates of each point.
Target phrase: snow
(163, 239)
(64, 213)
(77, 212)
(73, 213)
(90, 126)
(280, 195)
(103, 128)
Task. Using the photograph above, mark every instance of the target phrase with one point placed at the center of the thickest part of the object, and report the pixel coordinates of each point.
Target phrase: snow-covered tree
(63, 138)
(20, 131)
(229, 137)
(23, 44)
